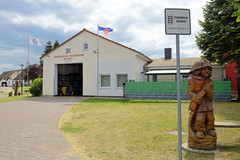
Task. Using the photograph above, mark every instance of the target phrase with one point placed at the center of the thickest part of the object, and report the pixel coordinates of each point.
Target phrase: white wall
(113, 59)
(113, 69)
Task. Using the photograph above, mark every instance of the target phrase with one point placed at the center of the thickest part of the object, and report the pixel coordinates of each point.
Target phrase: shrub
(36, 87)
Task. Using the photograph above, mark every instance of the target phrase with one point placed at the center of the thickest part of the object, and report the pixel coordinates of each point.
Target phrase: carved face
(206, 72)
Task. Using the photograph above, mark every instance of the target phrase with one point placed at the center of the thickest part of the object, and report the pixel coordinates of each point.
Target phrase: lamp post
(22, 65)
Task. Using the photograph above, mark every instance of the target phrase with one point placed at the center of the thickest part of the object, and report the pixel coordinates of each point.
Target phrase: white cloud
(13, 53)
(7, 67)
(138, 24)
(46, 21)
(12, 58)
(144, 23)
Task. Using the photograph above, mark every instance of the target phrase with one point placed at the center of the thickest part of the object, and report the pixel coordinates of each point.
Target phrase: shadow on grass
(199, 156)
(102, 100)
(229, 148)
(229, 111)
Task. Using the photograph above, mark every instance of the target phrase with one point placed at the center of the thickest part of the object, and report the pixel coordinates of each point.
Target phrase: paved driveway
(29, 129)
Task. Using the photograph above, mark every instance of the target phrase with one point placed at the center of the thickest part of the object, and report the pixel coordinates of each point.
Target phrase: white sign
(177, 21)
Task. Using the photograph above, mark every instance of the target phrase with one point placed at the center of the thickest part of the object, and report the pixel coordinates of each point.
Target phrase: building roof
(14, 75)
(85, 30)
(167, 71)
(172, 62)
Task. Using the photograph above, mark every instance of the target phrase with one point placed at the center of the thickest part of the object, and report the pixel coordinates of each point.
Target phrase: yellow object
(64, 90)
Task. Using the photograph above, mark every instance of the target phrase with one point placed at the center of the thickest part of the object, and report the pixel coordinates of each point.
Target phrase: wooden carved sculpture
(16, 89)
(201, 130)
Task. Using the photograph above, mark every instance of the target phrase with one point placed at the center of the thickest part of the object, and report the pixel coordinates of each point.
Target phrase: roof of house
(172, 62)
(85, 30)
(14, 74)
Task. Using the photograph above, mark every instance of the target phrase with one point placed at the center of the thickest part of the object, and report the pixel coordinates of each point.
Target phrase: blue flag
(106, 31)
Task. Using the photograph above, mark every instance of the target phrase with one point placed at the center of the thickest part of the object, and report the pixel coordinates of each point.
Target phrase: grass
(122, 130)
(14, 98)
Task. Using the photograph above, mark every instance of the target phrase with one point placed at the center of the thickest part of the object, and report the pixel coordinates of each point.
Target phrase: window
(121, 79)
(154, 78)
(105, 80)
(85, 46)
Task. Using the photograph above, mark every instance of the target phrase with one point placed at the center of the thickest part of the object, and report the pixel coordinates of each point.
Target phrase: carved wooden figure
(201, 130)
(16, 89)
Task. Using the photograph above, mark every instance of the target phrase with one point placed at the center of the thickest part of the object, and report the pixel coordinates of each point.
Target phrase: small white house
(9, 78)
(90, 65)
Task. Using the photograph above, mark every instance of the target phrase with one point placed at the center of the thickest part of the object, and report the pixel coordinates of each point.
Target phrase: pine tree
(56, 44)
(48, 47)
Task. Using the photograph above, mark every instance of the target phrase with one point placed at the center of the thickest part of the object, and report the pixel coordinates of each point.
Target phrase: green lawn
(14, 98)
(124, 130)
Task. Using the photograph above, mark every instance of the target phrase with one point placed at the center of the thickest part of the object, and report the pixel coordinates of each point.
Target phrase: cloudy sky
(138, 24)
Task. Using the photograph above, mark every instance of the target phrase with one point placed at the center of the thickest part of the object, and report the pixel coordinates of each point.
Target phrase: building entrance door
(70, 79)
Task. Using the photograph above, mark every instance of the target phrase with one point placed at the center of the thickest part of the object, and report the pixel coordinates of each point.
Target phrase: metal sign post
(177, 22)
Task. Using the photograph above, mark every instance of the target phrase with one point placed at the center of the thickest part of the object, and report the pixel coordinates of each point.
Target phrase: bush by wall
(36, 87)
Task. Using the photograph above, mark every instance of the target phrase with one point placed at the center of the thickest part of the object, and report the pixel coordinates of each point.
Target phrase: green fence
(168, 90)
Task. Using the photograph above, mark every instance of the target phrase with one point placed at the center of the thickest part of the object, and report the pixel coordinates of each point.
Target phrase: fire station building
(90, 65)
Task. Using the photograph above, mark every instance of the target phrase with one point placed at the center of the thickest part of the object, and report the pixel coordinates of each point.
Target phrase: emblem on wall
(68, 50)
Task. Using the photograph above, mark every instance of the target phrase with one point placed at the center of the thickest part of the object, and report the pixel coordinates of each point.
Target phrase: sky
(138, 24)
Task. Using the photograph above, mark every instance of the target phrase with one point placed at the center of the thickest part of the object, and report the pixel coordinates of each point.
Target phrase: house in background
(165, 69)
(9, 78)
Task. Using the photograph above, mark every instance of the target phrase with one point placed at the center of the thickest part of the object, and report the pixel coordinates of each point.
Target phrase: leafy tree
(56, 44)
(35, 71)
(237, 12)
(219, 38)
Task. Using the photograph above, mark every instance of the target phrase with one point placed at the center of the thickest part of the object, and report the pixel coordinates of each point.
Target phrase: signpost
(22, 65)
(177, 22)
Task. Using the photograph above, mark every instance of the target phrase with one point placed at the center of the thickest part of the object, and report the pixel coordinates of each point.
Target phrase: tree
(219, 38)
(56, 44)
(237, 12)
(36, 87)
(35, 71)
(49, 47)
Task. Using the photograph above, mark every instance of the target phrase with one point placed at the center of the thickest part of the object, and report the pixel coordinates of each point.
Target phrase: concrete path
(29, 129)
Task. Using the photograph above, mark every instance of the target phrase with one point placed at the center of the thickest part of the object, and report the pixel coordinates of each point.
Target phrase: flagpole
(28, 66)
(97, 60)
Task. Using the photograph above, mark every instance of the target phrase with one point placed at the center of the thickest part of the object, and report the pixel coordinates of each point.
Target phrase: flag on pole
(106, 31)
(34, 41)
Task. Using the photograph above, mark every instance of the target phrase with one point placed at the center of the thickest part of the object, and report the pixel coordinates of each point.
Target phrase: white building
(76, 68)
